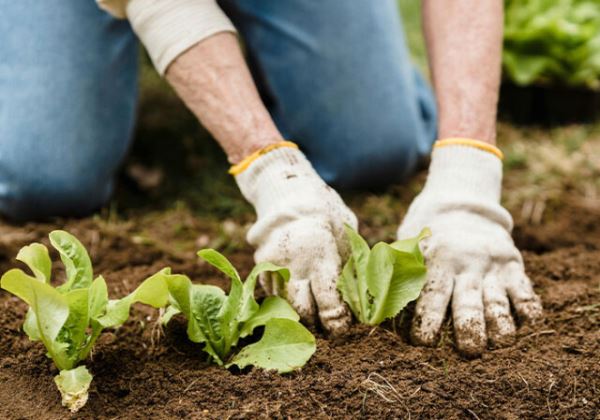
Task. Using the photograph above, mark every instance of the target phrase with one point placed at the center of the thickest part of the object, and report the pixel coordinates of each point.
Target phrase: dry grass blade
(381, 387)
(384, 389)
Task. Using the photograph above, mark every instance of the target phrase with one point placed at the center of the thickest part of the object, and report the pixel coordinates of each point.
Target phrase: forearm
(194, 43)
(464, 43)
(213, 80)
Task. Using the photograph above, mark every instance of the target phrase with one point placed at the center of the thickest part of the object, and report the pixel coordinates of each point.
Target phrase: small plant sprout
(219, 321)
(68, 319)
(378, 283)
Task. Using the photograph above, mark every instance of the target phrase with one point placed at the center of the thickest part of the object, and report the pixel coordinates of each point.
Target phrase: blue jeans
(335, 75)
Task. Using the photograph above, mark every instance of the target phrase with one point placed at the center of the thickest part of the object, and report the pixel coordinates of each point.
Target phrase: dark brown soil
(552, 371)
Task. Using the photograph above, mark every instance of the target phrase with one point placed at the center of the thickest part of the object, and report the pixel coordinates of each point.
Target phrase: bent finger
(300, 297)
(431, 307)
(499, 324)
(333, 312)
(467, 313)
(527, 303)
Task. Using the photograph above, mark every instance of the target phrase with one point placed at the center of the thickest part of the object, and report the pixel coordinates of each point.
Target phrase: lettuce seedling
(378, 283)
(68, 319)
(219, 320)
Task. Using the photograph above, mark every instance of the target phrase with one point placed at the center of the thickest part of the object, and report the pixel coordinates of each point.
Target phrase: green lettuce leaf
(217, 319)
(286, 345)
(272, 307)
(75, 258)
(37, 259)
(395, 286)
(153, 292)
(378, 283)
(51, 310)
(69, 319)
(206, 303)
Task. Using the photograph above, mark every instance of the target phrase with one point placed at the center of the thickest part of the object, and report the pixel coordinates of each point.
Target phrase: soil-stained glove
(471, 257)
(300, 225)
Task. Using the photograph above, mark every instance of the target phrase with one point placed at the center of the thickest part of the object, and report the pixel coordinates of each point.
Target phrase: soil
(551, 371)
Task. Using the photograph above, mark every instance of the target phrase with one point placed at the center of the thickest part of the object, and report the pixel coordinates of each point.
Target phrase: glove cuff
(240, 167)
(462, 172)
(276, 176)
(459, 141)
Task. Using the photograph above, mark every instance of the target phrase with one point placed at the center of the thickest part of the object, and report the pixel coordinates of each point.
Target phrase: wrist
(258, 154)
(482, 131)
(247, 145)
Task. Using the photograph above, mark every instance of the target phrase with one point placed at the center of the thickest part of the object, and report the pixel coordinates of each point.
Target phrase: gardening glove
(300, 225)
(471, 258)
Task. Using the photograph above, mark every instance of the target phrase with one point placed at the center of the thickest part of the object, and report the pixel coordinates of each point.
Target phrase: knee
(387, 152)
(375, 140)
(39, 196)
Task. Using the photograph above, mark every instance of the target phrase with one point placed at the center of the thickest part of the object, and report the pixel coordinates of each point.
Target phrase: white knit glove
(300, 225)
(470, 256)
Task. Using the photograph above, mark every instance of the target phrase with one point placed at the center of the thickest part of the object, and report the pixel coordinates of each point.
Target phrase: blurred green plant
(552, 42)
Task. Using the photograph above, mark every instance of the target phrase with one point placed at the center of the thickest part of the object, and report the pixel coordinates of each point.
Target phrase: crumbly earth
(551, 371)
(175, 197)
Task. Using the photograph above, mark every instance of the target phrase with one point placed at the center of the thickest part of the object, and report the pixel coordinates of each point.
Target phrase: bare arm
(214, 82)
(464, 43)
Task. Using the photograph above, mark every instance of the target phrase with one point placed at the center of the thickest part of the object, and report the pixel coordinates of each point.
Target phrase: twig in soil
(538, 333)
(471, 412)
(478, 402)
(526, 383)
(548, 396)
(428, 388)
(414, 393)
(589, 308)
(429, 366)
(320, 404)
(372, 331)
(574, 350)
(187, 388)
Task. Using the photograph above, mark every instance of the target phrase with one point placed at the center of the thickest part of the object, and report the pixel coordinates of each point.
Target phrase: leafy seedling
(68, 319)
(378, 283)
(219, 320)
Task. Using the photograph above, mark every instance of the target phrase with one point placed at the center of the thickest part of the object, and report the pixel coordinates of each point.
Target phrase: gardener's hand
(300, 225)
(470, 255)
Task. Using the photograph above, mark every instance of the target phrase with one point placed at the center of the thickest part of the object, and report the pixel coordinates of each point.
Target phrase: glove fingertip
(300, 297)
(470, 339)
(336, 321)
(530, 311)
(424, 331)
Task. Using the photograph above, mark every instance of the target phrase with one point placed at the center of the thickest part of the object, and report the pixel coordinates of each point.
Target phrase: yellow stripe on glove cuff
(247, 161)
(478, 144)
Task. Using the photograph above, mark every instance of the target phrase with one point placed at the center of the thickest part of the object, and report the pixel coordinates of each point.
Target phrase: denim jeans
(335, 74)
